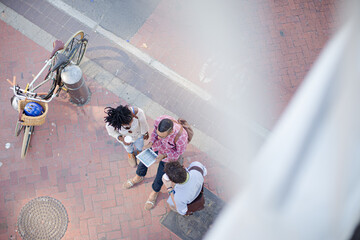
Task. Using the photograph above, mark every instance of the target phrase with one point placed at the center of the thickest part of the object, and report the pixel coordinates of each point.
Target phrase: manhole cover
(43, 218)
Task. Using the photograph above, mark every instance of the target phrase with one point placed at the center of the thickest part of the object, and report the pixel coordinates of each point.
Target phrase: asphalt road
(122, 18)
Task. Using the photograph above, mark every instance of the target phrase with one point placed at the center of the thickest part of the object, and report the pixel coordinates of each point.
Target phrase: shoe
(131, 160)
(130, 183)
(150, 203)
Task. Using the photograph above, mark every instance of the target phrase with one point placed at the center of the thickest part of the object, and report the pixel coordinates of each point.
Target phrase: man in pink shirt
(169, 139)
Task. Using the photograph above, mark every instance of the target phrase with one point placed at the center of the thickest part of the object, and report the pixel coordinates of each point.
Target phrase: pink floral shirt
(167, 145)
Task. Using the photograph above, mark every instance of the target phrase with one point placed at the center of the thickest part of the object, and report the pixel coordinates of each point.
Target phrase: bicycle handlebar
(26, 94)
(32, 95)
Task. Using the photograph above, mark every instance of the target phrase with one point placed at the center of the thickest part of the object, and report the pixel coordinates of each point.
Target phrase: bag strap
(134, 112)
(173, 199)
(178, 135)
(201, 194)
(197, 169)
(179, 132)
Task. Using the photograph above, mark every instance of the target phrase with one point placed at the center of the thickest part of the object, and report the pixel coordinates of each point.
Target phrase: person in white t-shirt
(184, 185)
(128, 126)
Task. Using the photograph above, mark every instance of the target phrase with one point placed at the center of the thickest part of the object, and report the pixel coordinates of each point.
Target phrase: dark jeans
(157, 184)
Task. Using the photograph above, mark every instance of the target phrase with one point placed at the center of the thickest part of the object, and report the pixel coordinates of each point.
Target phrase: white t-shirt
(189, 191)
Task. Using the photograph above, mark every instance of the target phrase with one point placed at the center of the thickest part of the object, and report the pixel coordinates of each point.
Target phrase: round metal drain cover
(43, 218)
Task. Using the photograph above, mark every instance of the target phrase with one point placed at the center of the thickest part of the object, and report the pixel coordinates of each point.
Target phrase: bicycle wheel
(76, 37)
(73, 44)
(29, 130)
(18, 128)
(79, 53)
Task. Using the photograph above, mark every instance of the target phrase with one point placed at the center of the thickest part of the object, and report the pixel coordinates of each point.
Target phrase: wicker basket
(32, 121)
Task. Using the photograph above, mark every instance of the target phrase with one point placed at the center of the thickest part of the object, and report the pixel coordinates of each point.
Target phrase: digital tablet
(147, 157)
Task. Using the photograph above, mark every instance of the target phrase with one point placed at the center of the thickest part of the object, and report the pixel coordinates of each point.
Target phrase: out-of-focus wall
(305, 181)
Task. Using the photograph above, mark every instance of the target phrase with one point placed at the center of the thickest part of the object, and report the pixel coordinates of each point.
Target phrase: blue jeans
(137, 145)
(157, 184)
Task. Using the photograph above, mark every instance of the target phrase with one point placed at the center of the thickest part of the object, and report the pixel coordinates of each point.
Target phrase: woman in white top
(128, 125)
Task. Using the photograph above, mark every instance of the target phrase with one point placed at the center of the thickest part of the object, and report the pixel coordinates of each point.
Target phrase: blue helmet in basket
(33, 109)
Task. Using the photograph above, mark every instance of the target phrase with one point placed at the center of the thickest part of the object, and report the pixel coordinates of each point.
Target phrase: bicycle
(62, 55)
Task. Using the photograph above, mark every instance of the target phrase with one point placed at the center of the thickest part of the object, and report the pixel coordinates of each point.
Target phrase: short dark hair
(176, 172)
(165, 125)
(118, 116)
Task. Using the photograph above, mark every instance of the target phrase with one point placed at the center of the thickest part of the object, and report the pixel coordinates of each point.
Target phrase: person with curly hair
(128, 126)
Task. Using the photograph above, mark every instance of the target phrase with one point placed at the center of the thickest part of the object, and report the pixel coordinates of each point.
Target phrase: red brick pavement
(291, 33)
(72, 159)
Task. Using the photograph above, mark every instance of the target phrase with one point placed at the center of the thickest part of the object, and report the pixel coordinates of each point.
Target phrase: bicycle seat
(60, 60)
(57, 45)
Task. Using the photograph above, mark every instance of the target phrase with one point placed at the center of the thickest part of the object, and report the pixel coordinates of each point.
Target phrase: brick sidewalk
(290, 33)
(72, 159)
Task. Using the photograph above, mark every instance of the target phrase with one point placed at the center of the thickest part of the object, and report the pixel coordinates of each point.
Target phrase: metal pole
(74, 82)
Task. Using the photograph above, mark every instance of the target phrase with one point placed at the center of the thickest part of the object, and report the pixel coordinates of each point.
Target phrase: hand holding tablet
(147, 157)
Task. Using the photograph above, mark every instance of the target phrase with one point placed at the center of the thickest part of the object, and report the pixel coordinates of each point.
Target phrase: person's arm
(153, 137)
(144, 127)
(152, 140)
(170, 189)
(172, 207)
(175, 205)
(115, 134)
(167, 183)
(181, 144)
(172, 204)
(160, 157)
(112, 132)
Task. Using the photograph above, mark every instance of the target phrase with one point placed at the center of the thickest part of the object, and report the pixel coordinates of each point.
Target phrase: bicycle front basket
(32, 121)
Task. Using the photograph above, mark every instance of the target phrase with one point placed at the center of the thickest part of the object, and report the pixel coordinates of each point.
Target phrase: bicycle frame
(29, 92)
(47, 64)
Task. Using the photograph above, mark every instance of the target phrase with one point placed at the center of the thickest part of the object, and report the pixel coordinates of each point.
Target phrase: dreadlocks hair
(165, 125)
(176, 172)
(118, 116)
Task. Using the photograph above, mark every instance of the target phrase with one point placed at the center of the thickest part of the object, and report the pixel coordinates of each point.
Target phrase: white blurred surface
(305, 182)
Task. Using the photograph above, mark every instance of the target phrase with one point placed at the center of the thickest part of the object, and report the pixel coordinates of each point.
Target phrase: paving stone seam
(112, 83)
